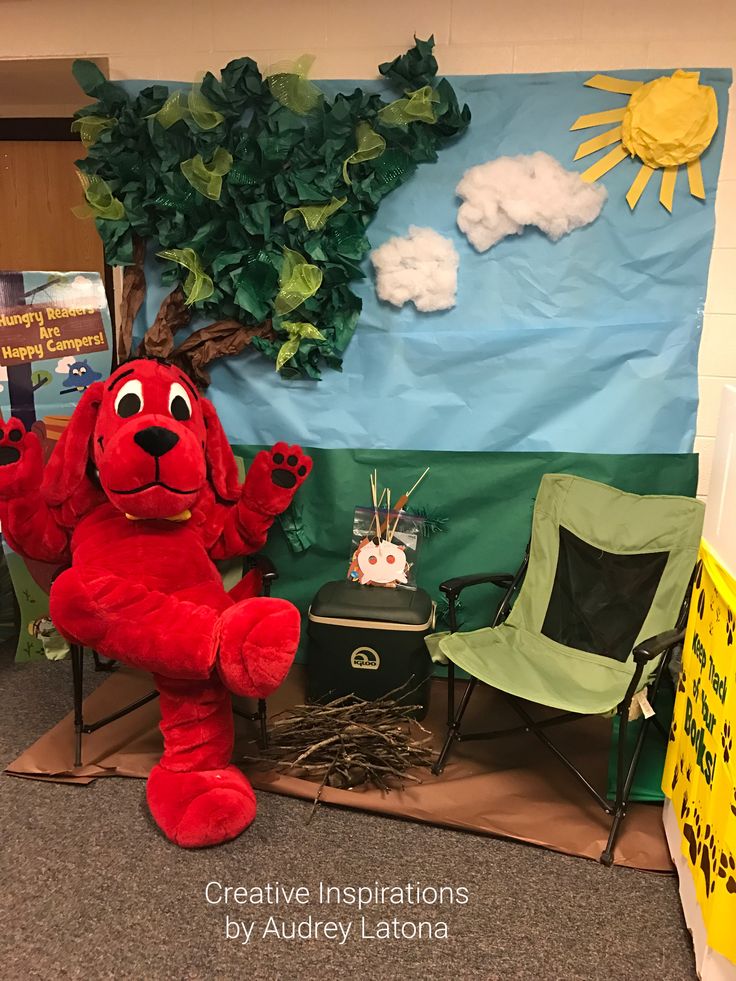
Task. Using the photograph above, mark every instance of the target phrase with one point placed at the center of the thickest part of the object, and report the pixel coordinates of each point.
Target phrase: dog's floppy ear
(222, 469)
(66, 472)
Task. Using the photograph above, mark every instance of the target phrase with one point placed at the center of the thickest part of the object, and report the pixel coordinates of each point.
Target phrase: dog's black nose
(156, 440)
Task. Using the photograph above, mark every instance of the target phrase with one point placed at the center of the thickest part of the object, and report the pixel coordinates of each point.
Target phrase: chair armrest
(453, 587)
(269, 572)
(647, 650)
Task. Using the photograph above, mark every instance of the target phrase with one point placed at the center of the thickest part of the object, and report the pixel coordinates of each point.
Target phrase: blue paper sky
(584, 345)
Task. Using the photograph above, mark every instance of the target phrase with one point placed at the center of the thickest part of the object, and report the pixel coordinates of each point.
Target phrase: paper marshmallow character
(381, 563)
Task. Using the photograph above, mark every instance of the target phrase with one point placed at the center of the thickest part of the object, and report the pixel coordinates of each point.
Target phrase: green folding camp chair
(587, 623)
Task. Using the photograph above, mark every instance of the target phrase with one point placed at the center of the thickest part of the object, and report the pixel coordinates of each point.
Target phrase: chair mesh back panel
(599, 599)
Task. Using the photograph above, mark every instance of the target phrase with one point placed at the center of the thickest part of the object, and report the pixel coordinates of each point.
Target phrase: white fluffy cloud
(504, 195)
(421, 267)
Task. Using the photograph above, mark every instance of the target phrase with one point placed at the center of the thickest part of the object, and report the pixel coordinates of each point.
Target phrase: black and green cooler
(368, 641)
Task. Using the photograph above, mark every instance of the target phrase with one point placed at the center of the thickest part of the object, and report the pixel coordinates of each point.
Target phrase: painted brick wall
(177, 39)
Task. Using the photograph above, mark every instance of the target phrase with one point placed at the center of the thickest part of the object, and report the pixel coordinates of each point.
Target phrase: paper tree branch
(219, 340)
(134, 291)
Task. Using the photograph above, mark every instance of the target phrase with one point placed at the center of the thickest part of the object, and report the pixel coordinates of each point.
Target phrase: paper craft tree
(255, 193)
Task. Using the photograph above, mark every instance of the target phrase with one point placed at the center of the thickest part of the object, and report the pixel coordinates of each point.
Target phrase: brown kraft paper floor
(511, 787)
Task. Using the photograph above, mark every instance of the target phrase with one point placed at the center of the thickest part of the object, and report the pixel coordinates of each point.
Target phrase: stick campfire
(349, 741)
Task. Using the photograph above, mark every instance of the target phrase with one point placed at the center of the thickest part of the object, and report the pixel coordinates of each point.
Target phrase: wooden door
(38, 188)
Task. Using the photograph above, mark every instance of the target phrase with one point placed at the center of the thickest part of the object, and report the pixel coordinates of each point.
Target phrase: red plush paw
(200, 808)
(290, 466)
(21, 465)
(275, 476)
(258, 639)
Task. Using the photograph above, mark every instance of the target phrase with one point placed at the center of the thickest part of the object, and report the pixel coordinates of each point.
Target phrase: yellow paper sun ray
(638, 184)
(622, 86)
(598, 142)
(667, 123)
(602, 166)
(695, 179)
(667, 187)
(599, 118)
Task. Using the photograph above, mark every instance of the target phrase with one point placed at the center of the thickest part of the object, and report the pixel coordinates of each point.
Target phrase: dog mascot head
(148, 440)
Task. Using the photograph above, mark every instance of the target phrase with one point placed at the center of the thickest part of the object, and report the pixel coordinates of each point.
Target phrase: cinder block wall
(177, 39)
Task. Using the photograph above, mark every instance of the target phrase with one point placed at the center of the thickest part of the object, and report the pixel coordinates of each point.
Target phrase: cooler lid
(350, 601)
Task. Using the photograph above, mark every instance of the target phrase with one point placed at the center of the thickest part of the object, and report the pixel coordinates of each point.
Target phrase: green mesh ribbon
(207, 178)
(197, 285)
(298, 281)
(394, 167)
(246, 175)
(90, 127)
(315, 215)
(417, 107)
(101, 203)
(175, 202)
(297, 332)
(290, 86)
(369, 146)
(188, 105)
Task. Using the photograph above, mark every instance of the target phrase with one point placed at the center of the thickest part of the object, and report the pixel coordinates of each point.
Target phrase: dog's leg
(257, 641)
(140, 627)
(195, 796)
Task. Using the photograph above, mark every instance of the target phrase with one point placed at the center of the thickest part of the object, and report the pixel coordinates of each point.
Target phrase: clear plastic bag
(385, 547)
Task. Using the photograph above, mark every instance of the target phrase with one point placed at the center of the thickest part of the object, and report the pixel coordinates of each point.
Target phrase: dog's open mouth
(155, 483)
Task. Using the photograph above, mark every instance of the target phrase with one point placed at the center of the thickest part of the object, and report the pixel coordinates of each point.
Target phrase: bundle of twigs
(347, 742)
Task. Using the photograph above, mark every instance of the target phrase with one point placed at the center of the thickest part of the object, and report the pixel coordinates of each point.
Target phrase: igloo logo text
(365, 658)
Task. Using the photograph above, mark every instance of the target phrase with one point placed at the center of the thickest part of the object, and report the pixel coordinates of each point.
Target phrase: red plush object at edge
(139, 496)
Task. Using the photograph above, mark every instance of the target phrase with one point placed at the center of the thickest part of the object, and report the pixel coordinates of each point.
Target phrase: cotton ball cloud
(422, 267)
(502, 196)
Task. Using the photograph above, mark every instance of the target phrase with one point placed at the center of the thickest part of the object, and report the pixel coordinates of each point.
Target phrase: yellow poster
(700, 771)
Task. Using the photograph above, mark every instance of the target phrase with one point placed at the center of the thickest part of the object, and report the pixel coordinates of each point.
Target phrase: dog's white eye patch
(129, 399)
(180, 405)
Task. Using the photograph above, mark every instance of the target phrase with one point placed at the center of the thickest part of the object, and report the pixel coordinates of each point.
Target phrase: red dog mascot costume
(141, 494)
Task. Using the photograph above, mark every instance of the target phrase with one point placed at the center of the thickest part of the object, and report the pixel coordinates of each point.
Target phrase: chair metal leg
(454, 727)
(77, 656)
(625, 782)
(535, 728)
(262, 720)
(450, 693)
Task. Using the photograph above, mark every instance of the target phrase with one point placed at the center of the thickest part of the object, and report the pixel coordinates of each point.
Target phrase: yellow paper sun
(666, 123)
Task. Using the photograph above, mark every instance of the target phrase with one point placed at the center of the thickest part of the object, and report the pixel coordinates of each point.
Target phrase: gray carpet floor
(89, 889)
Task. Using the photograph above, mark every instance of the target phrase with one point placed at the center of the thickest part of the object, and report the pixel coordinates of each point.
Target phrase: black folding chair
(269, 575)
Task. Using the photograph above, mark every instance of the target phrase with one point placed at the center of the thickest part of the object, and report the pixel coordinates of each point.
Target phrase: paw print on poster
(727, 741)
(727, 871)
(702, 849)
(679, 768)
(730, 623)
(708, 854)
(715, 863)
(691, 831)
(701, 604)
